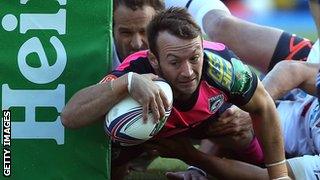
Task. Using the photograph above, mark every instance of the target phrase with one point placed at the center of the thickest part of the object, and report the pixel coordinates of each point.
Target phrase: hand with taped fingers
(149, 95)
(233, 121)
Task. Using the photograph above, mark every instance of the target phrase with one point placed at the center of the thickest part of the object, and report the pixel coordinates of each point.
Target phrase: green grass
(157, 169)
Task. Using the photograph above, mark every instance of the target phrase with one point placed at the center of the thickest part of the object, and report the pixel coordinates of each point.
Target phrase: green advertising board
(48, 51)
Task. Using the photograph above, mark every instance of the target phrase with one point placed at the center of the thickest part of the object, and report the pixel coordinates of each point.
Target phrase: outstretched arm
(89, 105)
(288, 75)
(267, 128)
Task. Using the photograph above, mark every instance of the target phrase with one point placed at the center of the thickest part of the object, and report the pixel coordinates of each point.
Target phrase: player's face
(180, 63)
(129, 29)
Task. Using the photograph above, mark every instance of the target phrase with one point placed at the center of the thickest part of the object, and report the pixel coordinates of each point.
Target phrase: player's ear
(153, 60)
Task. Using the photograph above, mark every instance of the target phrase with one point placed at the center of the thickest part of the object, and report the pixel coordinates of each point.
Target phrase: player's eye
(125, 33)
(174, 63)
(194, 59)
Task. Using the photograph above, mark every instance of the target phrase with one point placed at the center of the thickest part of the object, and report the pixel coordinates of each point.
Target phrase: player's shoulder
(139, 58)
(222, 68)
(137, 62)
(216, 51)
(210, 45)
(135, 56)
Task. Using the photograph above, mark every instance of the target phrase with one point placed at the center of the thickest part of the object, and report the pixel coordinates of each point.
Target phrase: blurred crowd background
(290, 15)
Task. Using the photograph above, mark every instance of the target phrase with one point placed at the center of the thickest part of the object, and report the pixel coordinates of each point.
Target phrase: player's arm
(90, 104)
(288, 75)
(267, 128)
(220, 168)
(260, 46)
(246, 91)
(249, 94)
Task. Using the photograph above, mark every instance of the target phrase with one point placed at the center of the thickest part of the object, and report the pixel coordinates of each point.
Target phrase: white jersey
(300, 125)
(306, 167)
(300, 119)
(197, 9)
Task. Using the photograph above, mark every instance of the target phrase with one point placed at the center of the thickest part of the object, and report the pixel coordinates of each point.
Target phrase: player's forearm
(310, 72)
(89, 105)
(287, 75)
(267, 127)
(225, 168)
(280, 80)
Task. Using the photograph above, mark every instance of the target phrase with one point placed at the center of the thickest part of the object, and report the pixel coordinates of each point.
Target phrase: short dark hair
(177, 21)
(158, 5)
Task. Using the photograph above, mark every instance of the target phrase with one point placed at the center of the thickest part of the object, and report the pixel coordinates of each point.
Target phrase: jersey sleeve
(114, 75)
(228, 73)
(198, 8)
(137, 62)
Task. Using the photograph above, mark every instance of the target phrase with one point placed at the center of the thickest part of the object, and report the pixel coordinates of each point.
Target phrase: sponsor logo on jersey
(220, 70)
(215, 102)
(243, 77)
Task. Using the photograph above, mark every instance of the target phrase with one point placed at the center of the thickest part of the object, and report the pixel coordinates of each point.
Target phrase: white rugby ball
(124, 122)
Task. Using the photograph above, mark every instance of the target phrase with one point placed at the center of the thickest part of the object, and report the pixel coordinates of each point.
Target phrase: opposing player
(130, 19)
(303, 113)
(202, 74)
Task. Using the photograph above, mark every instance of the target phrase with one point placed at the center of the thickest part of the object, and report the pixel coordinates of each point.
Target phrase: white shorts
(301, 130)
(306, 167)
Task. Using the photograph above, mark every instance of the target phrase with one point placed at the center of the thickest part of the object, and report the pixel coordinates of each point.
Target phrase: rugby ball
(124, 122)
